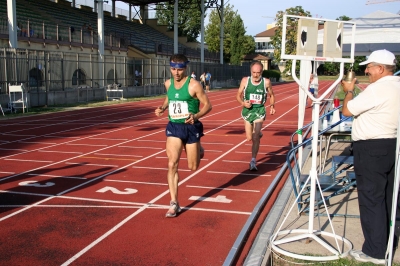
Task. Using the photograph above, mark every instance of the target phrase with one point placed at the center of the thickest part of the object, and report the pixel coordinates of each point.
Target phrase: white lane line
(136, 182)
(229, 161)
(229, 173)
(136, 147)
(92, 164)
(74, 152)
(162, 141)
(224, 188)
(155, 168)
(8, 173)
(85, 144)
(35, 161)
(59, 176)
(127, 155)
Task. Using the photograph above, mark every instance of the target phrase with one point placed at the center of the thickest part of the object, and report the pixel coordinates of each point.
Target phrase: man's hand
(159, 111)
(348, 86)
(191, 119)
(247, 104)
(272, 110)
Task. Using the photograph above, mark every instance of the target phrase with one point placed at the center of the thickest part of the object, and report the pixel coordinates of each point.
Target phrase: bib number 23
(178, 109)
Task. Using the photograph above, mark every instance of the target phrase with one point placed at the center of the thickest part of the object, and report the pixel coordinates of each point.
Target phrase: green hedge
(272, 74)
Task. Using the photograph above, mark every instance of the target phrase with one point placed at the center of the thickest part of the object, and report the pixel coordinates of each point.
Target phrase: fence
(54, 78)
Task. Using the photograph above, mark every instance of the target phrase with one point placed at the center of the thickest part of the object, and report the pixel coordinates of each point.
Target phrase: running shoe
(361, 256)
(253, 166)
(173, 210)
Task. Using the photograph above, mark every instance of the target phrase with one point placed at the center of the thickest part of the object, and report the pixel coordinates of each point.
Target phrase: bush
(272, 74)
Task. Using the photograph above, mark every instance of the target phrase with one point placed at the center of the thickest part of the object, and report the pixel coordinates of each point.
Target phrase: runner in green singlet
(184, 129)
(252, 95)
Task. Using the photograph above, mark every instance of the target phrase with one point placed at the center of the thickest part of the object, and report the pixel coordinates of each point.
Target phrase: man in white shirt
(374, 131)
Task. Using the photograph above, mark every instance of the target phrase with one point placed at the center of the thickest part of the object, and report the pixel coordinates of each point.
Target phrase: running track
(88, 187)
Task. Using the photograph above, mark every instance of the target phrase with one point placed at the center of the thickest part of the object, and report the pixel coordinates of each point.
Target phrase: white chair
(18, 98)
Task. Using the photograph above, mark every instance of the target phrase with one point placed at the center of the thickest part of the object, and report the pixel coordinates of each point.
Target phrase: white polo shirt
(376, 110)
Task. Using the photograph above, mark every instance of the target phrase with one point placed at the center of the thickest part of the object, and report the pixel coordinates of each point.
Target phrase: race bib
(255, 98)
(178, 110)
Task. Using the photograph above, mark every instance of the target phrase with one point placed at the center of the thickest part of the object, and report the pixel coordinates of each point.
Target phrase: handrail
(295, 148)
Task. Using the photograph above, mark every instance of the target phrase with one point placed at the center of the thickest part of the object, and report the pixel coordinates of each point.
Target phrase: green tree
(291, 34)
(249, 45)
(189, 17)
(237, 40)
(344, 18)
(212, 31)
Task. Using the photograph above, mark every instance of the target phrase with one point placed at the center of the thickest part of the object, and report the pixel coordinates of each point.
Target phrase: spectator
(193, 76)
(374, 132)
(208, 81)
(203, 80)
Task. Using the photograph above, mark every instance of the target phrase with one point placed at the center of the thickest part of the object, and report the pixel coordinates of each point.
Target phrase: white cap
(383, 57)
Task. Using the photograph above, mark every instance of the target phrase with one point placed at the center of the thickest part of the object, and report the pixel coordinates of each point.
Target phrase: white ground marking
(217, 199)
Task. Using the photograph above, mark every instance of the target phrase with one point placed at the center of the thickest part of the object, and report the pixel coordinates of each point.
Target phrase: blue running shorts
(186, 132)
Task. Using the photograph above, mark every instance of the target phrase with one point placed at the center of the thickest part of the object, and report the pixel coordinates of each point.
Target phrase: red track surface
(88, 187)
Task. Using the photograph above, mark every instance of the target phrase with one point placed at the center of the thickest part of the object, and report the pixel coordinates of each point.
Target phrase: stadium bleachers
(52, 21)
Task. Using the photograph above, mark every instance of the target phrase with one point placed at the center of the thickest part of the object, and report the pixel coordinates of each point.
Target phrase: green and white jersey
(255, 93)
(180, 103)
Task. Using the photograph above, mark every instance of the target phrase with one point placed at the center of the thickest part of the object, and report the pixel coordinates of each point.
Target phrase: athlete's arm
(271, 97)
(239, 95)
(196, 90)
(160, 110)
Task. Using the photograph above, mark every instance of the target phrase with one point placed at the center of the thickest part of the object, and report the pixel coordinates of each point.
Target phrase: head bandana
(178, 65)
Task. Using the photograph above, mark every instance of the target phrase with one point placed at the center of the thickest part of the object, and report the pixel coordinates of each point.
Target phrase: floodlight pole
(100, 32)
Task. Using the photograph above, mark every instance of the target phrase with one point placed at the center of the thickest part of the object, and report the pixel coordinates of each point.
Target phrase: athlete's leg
(193, 155)
(256, 137)
(248, 127)
(174, 148)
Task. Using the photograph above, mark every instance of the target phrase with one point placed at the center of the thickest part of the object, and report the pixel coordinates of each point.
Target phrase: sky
(256, 14)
